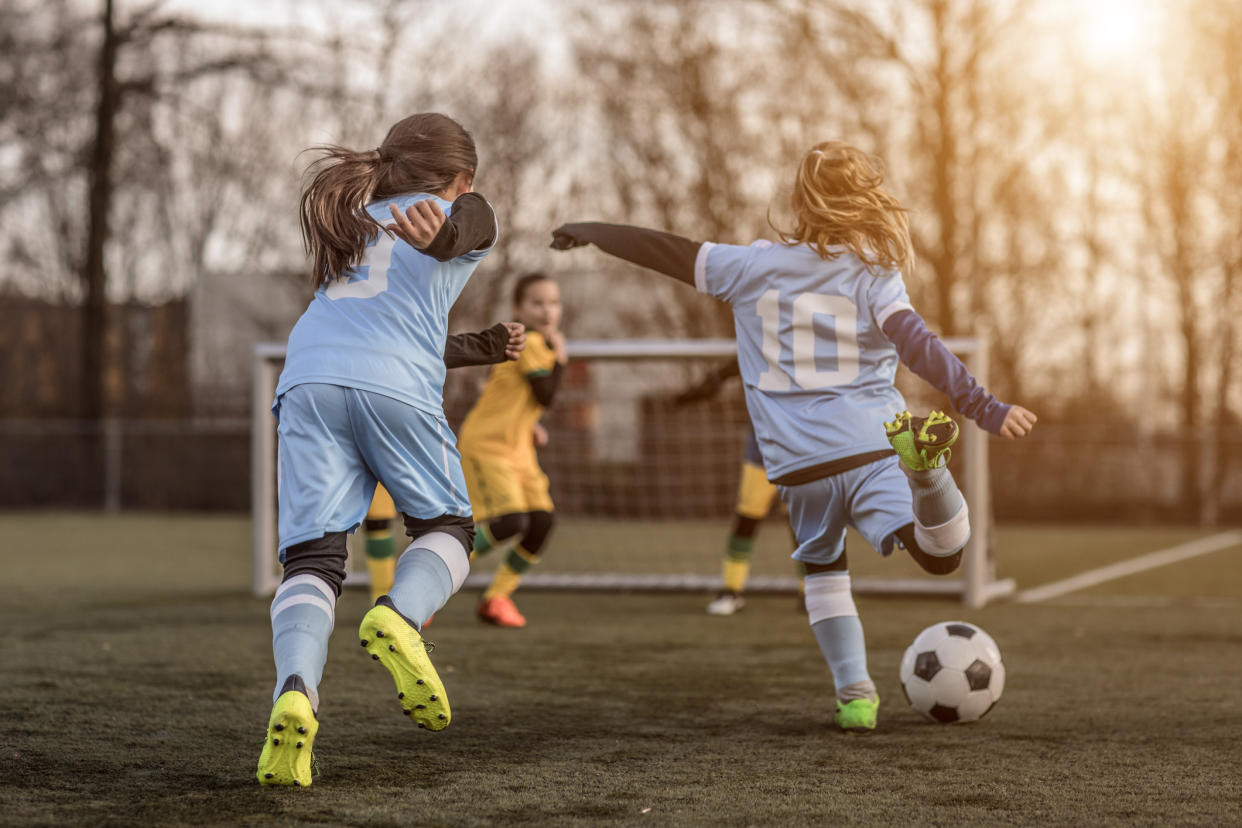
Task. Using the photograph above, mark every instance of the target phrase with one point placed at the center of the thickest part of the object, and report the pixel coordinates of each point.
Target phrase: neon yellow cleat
(392, 641)
(291, 729)
(922, 442)
(858, 715)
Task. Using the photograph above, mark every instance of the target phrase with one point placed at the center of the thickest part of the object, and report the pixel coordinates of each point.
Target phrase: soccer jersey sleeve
(886, 296)
(469, 233)
(482, 348)
(537, 358)
(924, 354)
(720, 269)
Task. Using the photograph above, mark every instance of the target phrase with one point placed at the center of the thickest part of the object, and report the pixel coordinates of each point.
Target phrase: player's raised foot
(727, 602)
(857, 715)
(501, 611)
(922, 442)
(291, 729)
(392, 641)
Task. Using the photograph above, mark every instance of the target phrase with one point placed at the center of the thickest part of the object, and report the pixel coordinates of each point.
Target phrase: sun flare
(1117, 30)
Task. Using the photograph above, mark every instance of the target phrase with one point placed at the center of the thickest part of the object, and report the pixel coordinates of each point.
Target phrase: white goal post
(613, 425)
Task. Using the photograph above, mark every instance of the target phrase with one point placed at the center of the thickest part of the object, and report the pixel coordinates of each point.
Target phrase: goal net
(646, 489)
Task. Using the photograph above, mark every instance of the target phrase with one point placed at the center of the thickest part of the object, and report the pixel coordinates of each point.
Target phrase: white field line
(1147, 602)
(1202, 546)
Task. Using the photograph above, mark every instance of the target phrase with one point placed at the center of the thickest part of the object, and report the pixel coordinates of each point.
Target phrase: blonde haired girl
(821, 323)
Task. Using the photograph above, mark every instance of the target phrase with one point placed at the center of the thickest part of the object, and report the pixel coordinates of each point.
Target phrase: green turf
(137, 681)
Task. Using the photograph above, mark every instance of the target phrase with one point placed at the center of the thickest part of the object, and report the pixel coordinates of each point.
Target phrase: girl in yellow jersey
(508, 490)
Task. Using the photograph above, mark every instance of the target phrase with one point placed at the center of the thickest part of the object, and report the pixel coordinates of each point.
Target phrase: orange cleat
(501, 611)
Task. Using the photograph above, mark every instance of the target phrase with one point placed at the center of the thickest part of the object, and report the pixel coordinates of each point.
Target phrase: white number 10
(805, 308)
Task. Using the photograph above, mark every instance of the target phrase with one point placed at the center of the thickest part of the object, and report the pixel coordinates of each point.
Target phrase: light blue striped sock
(422, 584)
(841, 641)
(303, 614)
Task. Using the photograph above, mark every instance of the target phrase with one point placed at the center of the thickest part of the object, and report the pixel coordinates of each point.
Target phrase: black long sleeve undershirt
(483, 348)
(471, 225)
(546, 385)
(666, 253)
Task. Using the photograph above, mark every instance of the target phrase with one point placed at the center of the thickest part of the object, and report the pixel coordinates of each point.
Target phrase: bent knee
(935, 561)
(538, 527)
(324, 557)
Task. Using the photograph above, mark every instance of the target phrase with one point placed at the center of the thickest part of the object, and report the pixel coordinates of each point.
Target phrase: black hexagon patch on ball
(978, 675)
(926, 665)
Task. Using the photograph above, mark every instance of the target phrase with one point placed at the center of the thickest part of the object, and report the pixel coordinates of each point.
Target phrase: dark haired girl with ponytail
(394, 234)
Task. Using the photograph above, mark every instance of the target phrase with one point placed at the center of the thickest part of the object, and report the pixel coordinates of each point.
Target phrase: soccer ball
(952, 672)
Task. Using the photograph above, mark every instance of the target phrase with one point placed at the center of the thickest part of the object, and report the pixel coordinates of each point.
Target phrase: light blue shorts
(875, 499)
(335, 443)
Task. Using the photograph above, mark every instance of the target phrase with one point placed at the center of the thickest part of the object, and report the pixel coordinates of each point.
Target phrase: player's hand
(540, 435)
(564, 238)
(517, 340)
(419, 224)
(1018, 423)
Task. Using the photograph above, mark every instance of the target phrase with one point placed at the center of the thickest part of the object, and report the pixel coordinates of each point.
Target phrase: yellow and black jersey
(515, 395)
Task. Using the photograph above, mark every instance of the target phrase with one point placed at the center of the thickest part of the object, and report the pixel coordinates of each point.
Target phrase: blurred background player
(821, 321)
(503, 341)
(508, 490)
(755, 498)
(360, 400)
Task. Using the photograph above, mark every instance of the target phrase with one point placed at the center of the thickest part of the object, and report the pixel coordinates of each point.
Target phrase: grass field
(137, 679)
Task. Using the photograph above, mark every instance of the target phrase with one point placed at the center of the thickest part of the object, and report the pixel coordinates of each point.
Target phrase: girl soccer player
(508, 490)
(359, 401)
(821, 320)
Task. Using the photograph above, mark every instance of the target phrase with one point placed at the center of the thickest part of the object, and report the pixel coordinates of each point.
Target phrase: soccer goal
(645, 488)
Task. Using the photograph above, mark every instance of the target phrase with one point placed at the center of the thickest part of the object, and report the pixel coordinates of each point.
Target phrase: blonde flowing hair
(838, 202)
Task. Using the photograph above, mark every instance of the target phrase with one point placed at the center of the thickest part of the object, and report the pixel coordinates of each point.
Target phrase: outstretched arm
(502, 341)
(664, 252)
(923, 353)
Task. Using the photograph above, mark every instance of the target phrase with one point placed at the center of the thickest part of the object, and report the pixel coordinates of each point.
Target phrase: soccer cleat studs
(418, 687)
(922, 442)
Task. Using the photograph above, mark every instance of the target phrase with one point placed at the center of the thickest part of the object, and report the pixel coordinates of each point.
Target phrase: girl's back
(382, 326)
(816, 364)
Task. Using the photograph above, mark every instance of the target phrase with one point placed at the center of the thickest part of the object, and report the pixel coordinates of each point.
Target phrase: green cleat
(922, 442)
(857, 716)
(286, 757)
(393, 642)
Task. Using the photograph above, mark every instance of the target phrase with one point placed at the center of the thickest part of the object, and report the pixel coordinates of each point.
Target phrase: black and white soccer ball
(953, 672)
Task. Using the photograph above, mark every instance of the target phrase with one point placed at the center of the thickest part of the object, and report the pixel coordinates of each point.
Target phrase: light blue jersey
(382, 327)
(817, 368)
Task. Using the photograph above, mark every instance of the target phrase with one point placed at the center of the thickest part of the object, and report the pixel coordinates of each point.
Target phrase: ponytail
(336, 228)
(423, 153)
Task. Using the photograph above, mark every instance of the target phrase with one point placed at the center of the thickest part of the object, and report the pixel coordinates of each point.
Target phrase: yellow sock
(509, 574)
(735, 574)
(382, 572)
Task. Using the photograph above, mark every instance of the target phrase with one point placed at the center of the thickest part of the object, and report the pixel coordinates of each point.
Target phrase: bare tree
(679, 97)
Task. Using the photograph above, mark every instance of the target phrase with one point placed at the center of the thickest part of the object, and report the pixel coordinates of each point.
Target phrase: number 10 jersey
(817, 369)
